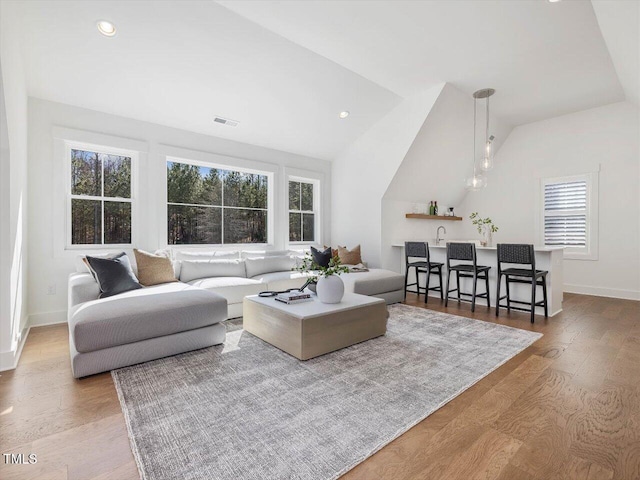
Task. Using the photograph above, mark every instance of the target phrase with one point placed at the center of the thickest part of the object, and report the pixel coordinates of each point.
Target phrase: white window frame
(316, 209)
(221, 166)
(74, 145)
(590, 250)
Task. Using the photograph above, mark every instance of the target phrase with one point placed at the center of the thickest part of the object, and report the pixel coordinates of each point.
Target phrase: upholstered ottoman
(139, 325)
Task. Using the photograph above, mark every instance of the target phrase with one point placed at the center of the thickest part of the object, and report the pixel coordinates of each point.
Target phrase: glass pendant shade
(487, 159)
(476, 182)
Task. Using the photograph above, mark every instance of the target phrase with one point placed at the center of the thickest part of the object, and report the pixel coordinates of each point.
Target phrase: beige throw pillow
(349, 257)
(153, 269)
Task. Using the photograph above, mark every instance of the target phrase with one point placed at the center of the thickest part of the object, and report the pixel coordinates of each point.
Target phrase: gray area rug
(246, 410)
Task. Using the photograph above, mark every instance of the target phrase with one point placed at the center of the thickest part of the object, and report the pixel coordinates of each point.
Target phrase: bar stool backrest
(518, 253)
(416, 250)
(461, 251)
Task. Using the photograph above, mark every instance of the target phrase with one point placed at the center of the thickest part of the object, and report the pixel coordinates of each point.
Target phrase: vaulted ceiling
(285, 69)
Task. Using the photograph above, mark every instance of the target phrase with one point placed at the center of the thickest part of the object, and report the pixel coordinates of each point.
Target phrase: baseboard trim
(47, 318)
(9, 360)
(602, 292)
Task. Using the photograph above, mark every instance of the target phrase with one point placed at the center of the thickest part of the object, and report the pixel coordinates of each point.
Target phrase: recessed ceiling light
(553, 1)
(344, 114)
(107, 29)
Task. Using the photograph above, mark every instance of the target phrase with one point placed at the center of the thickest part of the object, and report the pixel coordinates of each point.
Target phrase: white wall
(434, 168)
(361, 174)
(604, 139)
(51, 263)
(13, 192)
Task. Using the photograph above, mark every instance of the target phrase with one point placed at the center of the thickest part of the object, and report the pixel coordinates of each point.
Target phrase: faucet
(438, 239)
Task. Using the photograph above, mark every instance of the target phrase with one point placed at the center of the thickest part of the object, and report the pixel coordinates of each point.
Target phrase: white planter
(330, 289)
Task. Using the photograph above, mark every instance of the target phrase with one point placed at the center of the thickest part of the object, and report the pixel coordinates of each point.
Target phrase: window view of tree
(100, 198)
(301, 212)
(214, 206)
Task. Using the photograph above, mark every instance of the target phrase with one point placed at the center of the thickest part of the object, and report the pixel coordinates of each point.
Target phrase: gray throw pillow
(114, 276)
(321, 257)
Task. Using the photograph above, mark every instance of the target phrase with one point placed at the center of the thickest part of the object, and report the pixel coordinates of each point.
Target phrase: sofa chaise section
(139, 325)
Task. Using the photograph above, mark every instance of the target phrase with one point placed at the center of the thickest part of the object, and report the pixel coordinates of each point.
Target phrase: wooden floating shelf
(432, 217)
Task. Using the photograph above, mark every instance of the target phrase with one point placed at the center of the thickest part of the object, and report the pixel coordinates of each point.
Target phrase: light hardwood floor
(568, 407)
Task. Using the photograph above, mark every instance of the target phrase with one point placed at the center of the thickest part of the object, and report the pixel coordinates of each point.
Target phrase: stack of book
(293, 297)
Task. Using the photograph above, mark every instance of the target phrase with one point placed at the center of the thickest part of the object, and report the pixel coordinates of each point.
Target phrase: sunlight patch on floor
(232, 341)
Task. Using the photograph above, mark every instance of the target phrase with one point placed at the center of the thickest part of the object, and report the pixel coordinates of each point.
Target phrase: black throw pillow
(323, 257)
(114, 275)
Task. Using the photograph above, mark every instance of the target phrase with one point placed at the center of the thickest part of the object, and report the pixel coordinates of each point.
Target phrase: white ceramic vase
(330, 289)
(488, 236)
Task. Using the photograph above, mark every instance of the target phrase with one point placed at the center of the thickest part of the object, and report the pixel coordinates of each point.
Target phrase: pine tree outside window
(100, 196)
(215, 206)
(303, 213)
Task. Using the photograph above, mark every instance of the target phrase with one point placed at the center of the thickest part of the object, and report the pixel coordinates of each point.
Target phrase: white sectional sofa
(171, 318)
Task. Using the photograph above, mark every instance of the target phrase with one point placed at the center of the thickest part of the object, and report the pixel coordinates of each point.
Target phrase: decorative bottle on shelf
(431, 208)
(435, 208)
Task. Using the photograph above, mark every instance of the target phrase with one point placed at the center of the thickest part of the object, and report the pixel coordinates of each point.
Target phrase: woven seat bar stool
(466, 252)
(416, 256)
(520, 254)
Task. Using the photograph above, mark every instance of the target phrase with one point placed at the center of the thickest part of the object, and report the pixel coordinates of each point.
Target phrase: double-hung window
(570, 215)
(303, 215)
(214, 206)
(100, 196)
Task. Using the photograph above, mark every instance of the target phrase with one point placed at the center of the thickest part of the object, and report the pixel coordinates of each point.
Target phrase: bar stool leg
(506, 281)
(458, 285)
(473, 292)
(544, 295)
(418, 282)
(486, 283)
(426, 291)
(533, 298)
(440, 277)
(406, 280)
(498, 295)
(446, 295)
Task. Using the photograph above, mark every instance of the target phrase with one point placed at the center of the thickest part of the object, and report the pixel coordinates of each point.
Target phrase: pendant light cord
(474, 135)
(486, 133)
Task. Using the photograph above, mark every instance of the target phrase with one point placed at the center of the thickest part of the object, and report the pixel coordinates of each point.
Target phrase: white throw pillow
(258, 266)
(206, 254)
(193, 269)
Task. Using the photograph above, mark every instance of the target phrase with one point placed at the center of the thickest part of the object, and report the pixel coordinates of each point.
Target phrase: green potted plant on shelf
(485, 227)
(329, 285)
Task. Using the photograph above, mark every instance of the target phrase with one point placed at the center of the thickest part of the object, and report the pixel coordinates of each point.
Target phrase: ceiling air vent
(226, 121)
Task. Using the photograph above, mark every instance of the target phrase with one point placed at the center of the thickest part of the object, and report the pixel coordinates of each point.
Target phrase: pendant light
(478, 181)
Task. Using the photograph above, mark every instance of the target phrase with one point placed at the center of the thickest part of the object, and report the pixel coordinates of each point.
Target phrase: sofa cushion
(322, 257)
(234, 289)
(373, 282)
(263, 253)
(279, 281)
(81, 265)
(281, 263)
(193, 270)
(153, 269)
(144, 313)
(349, 257)
(206, 255)
(114, 275)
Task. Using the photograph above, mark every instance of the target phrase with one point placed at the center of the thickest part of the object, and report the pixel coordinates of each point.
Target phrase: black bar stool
(420, 250)
(521, 255)
(466, 252)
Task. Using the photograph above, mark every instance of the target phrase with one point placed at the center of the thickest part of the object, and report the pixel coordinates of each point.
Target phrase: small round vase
(330, 289)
